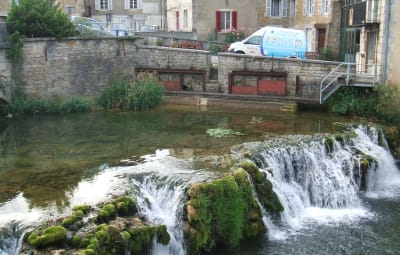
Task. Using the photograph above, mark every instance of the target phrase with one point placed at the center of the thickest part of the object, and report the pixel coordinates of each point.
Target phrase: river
(51, 163)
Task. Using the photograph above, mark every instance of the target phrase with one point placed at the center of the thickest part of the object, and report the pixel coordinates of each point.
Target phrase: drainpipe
(385, 43)
(257, 7)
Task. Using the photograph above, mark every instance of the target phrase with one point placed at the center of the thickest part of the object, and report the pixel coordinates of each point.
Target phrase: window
(103, 4)
(133, 4)
(277, 8)
(226, 20)
(309, 7)
(255, 40)
(292, 8)
(323, 7)
(185, 19)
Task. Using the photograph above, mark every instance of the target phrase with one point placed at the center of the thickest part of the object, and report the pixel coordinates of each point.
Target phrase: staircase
(348, 74)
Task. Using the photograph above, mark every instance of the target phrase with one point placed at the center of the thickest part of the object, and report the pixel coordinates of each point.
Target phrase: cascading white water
(317, 185)
(160, 185)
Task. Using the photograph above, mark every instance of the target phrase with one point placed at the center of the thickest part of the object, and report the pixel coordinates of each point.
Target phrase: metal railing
(360, 75)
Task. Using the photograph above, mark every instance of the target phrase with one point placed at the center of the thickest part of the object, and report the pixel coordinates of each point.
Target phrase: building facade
(392, 53)
(211, 19)
(131, 15)
(318, 19)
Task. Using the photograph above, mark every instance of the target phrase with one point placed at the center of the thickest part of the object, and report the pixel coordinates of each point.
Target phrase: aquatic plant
(220, 132)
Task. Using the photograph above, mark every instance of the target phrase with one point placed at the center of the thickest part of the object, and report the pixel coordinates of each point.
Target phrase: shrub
(234, 36)
(38, 18)
(146, 94)
(115, 96)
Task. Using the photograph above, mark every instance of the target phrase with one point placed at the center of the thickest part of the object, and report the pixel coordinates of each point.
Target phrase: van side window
(256, 40)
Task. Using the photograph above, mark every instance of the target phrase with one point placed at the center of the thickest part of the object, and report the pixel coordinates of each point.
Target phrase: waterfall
(160, 191)
(320, 184)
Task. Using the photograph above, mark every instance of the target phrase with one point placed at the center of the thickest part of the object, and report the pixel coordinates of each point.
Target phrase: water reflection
(44, 158)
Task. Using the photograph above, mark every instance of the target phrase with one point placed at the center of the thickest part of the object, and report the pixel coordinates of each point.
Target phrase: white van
(250, 45)
(272, 42)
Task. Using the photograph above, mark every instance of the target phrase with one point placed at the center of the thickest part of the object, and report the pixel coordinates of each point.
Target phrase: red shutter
(234, 20)
(218, 20)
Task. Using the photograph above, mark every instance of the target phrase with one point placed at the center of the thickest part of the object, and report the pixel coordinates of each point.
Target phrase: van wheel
(239, 52)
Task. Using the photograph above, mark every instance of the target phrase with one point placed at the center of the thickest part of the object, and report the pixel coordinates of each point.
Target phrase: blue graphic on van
(283, 43)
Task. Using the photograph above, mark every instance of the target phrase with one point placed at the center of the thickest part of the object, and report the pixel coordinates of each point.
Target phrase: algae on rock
(223, 211)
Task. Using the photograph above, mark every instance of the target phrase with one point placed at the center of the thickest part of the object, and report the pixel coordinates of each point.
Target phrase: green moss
(51, 236)
(328, 142)
(392, 135)
(76, 241)
(103, 237)
(125, 206)
(267, 197)
(84, 208)
(162, 235)
(70, 220)
(88, 252)
(218, 212)
(141, 239)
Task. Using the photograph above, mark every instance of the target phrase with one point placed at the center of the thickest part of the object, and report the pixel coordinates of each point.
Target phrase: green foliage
(20, 105)
(38, 18)
(223, 211)
(326, 54)
(352, 100)
(220, 132)
(115, 96)
(215, 48)
(51, 236)
(381, 102)
(15, 51)
(146, 94)
(234, 36)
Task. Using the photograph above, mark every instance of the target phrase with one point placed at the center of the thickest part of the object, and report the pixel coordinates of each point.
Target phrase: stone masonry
(81, 67)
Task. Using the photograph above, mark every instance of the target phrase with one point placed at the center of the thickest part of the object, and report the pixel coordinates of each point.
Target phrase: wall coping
(313, 61)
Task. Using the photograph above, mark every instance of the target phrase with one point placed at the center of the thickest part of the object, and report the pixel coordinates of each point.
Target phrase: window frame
(130, 4)
(221, 16)
(282, 6)
(309, 7)
(100, 7)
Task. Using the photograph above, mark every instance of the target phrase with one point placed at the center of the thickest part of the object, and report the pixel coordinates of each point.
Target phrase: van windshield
(254, 40)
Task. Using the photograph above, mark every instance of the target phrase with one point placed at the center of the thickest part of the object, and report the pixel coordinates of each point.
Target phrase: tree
(38, 18)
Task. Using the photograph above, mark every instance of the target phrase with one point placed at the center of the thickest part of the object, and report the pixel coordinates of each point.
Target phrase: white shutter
(110, 4)
(139, 4)
(305, 9)
(126, 4)
(320, 6)
(268, 10)
(284, 8)
(97, 5)
(312, 3)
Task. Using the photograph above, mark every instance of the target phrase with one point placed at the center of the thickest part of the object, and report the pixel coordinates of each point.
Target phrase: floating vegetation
(220, 132)
(256, 120)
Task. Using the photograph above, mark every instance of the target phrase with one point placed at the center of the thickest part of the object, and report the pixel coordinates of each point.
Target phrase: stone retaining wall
(85, 66)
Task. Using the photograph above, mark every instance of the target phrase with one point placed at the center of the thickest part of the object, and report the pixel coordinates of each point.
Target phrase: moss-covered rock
(364, 164)
(223, 211)
(392, 135)
(267, 197)
(51, 236)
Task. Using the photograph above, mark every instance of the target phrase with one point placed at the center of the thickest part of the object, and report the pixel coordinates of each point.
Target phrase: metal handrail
(350, 73)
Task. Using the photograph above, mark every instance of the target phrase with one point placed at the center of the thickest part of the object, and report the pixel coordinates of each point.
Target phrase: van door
(253, 45)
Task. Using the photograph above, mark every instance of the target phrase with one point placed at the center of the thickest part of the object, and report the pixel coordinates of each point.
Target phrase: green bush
(146, 94)
(38, 18)
(117, 95)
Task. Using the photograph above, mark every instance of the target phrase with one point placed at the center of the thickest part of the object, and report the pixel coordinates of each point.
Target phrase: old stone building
(131, 15)
(318, 18)
(211, 18)
(392, 50)
(72, 7)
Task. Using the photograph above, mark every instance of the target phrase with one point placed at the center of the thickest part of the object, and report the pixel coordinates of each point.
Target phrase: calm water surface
(43, 158)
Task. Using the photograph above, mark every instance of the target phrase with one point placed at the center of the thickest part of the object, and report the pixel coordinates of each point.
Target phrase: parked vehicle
(89, 27)
(272, 42)
(250, 45)
(283, 43)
